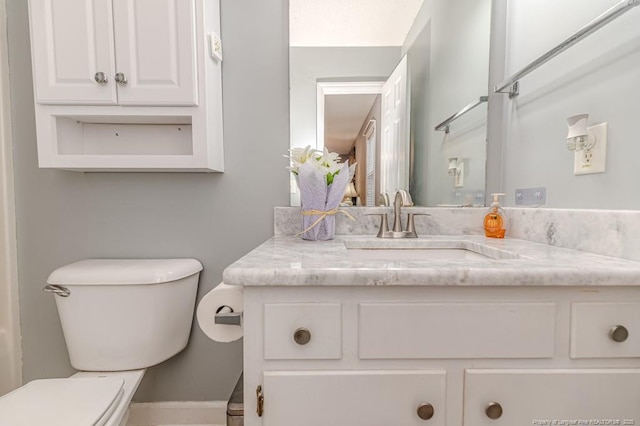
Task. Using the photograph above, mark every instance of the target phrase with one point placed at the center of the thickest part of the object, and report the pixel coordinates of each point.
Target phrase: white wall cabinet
(441, 356)
(127, 85)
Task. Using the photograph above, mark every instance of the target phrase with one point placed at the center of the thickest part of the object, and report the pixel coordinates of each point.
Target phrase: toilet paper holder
(226, 316)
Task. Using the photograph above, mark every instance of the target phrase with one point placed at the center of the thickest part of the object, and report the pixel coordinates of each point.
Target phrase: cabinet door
(548, 397)
(354, 398)
(71, 42)
(156, 51)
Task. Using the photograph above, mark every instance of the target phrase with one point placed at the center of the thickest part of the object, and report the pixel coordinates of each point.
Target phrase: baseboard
(183, 413)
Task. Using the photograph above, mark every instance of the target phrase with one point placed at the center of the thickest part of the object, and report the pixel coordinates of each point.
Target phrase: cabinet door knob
(302, 336)
(619, 333)
(425, 411)
(493, 410)
(100, 78)
(121, 79)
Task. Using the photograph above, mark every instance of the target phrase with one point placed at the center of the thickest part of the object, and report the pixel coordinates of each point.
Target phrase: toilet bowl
(119, 317)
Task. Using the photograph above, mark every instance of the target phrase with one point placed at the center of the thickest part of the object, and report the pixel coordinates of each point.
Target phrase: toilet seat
(62, 402)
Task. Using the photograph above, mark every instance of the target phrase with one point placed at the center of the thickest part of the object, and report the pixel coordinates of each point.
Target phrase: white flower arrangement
(322, 181)
(324, 162)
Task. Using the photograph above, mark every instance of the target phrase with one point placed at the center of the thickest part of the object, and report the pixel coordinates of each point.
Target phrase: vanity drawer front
(303, 331)
(605, 330)
(355, 398)
(540, 397)
(456, 330)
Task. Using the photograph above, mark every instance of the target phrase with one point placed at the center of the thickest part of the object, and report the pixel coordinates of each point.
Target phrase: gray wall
(419, 57)
(448, 49)
(65, 216)
(598, 76)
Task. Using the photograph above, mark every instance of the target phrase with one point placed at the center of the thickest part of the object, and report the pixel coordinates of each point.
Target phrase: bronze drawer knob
(425, 411)
(493, 410)
(619, 333)
(302, 336)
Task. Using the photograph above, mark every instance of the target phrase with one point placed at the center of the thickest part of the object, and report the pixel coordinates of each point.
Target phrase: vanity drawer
(521, 397)
(456, 330)
(303, 331)
(605, 330)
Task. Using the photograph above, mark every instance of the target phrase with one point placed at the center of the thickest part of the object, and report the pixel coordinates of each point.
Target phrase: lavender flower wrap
(318, 197)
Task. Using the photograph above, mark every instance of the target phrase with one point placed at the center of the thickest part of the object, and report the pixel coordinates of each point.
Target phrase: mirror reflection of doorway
(348, 116)
(345, 110)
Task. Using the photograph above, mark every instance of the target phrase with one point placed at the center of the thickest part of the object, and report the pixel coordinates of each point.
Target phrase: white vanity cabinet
(127, 85)
(446, 356)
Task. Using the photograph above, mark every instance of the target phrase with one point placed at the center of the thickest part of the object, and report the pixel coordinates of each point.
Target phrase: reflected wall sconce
(578, 138)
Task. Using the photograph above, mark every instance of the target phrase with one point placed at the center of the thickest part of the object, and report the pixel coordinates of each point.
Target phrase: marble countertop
(291, 261)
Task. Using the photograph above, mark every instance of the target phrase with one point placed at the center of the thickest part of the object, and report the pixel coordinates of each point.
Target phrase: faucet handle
(406, 198)
(384, 225)
(410, 221)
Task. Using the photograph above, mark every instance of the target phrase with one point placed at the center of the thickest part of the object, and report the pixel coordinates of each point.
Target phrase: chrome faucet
(397, 232)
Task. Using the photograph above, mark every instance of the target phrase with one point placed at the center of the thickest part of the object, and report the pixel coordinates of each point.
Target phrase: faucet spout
(397, 205)
(401, 199)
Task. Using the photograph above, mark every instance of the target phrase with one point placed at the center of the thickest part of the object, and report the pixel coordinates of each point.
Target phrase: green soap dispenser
(495, 222)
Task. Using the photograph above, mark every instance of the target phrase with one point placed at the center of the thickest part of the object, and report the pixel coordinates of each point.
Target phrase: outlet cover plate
(593, 160)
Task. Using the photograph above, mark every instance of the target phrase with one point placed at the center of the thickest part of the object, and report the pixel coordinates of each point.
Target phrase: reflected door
(394, 144)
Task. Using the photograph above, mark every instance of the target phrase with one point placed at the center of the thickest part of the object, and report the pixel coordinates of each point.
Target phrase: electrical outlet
(594, 159)
(531, 196)
(458, 180)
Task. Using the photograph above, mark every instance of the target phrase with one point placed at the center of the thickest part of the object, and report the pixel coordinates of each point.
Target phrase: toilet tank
(125, 314)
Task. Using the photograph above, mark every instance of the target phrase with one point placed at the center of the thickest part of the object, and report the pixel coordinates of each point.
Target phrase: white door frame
(10, 341)
(340, 88)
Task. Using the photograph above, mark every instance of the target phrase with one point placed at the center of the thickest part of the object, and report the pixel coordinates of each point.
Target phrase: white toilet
(119, 317)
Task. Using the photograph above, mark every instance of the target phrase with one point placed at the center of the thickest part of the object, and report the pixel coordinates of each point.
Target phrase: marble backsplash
(607, 232)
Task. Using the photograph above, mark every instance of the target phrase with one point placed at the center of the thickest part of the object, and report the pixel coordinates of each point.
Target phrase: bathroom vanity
(442, 330)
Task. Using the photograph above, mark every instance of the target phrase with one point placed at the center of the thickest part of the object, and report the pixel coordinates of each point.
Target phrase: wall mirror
(372, 79)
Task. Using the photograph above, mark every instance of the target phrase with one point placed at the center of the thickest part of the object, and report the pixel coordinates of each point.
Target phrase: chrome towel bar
(445, 124)
(599, 22)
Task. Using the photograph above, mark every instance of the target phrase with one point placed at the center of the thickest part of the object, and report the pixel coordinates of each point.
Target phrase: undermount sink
(423, 249)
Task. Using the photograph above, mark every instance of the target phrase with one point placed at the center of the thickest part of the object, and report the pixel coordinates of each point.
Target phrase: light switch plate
(215, 46)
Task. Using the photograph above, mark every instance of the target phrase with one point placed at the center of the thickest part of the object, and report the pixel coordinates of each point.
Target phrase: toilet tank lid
(124, 271)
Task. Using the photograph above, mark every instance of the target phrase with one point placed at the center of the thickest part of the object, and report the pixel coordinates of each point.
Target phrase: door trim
(340, 88)
(8, 243)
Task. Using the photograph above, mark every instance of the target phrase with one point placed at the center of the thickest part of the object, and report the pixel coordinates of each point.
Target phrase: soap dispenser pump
(495, 221)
